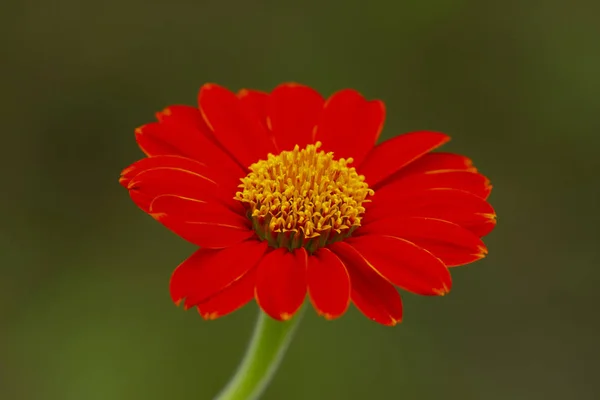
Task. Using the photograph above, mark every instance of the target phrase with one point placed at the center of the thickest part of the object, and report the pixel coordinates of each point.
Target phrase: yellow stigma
(304, 198)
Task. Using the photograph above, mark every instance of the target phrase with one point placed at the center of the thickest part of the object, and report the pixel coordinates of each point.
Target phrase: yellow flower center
(304, 198)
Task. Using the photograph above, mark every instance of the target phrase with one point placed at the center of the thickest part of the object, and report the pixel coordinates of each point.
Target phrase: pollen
(304, 198)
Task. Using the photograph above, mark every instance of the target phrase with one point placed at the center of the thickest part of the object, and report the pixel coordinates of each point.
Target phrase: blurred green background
(85, 312)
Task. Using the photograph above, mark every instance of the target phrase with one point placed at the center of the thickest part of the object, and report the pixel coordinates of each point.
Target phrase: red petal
(404, 264)
(161, 161)
(192, 210)
(154, 182)
(328, 284)
(375, 297)
(210, 235)
(281, 282)
(293, 112)
(436, 162)
(457, 206)
(208, 272)
(350, 125)
(206, 224)
(447, 241)
(182, 131)
(394, 154)
(184, 125)
(228, 184)
(468, 181)
(237, 129)
(255, 101)
(235, 296)
(184, 115)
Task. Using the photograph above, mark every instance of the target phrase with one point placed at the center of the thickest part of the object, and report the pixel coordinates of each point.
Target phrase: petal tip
(329, 316)
(444, 290)
(210, 87)
(285, 316)
(209, 316)
(165, 112)
(123, 180)
(133, 185)
(290, 84)
(157, 215)
(483, 251)
(393, 322)
(187, 306)
(492, 217)
(444, 138)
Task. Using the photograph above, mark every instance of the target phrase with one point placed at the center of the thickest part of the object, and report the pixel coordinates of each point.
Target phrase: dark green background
(85, 312)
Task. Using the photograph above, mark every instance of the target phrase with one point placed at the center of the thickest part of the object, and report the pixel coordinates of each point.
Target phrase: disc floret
(304, 198)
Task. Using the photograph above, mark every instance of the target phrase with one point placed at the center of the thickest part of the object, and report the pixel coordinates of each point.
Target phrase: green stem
(265, 351)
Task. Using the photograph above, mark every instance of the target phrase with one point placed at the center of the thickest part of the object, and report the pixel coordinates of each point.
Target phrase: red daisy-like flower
(287, 194)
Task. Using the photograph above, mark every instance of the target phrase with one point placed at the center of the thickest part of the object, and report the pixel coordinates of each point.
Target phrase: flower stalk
(263, 356)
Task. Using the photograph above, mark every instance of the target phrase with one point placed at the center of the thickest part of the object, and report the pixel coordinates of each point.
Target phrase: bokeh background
(85, 312)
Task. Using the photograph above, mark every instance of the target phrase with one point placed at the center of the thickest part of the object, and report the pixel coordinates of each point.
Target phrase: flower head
(287, 194)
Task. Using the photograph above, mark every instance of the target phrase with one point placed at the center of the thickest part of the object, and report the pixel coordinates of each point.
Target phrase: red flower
(286, 194)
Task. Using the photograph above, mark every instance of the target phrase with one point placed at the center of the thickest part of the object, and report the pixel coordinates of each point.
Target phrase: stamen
(304, 198)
